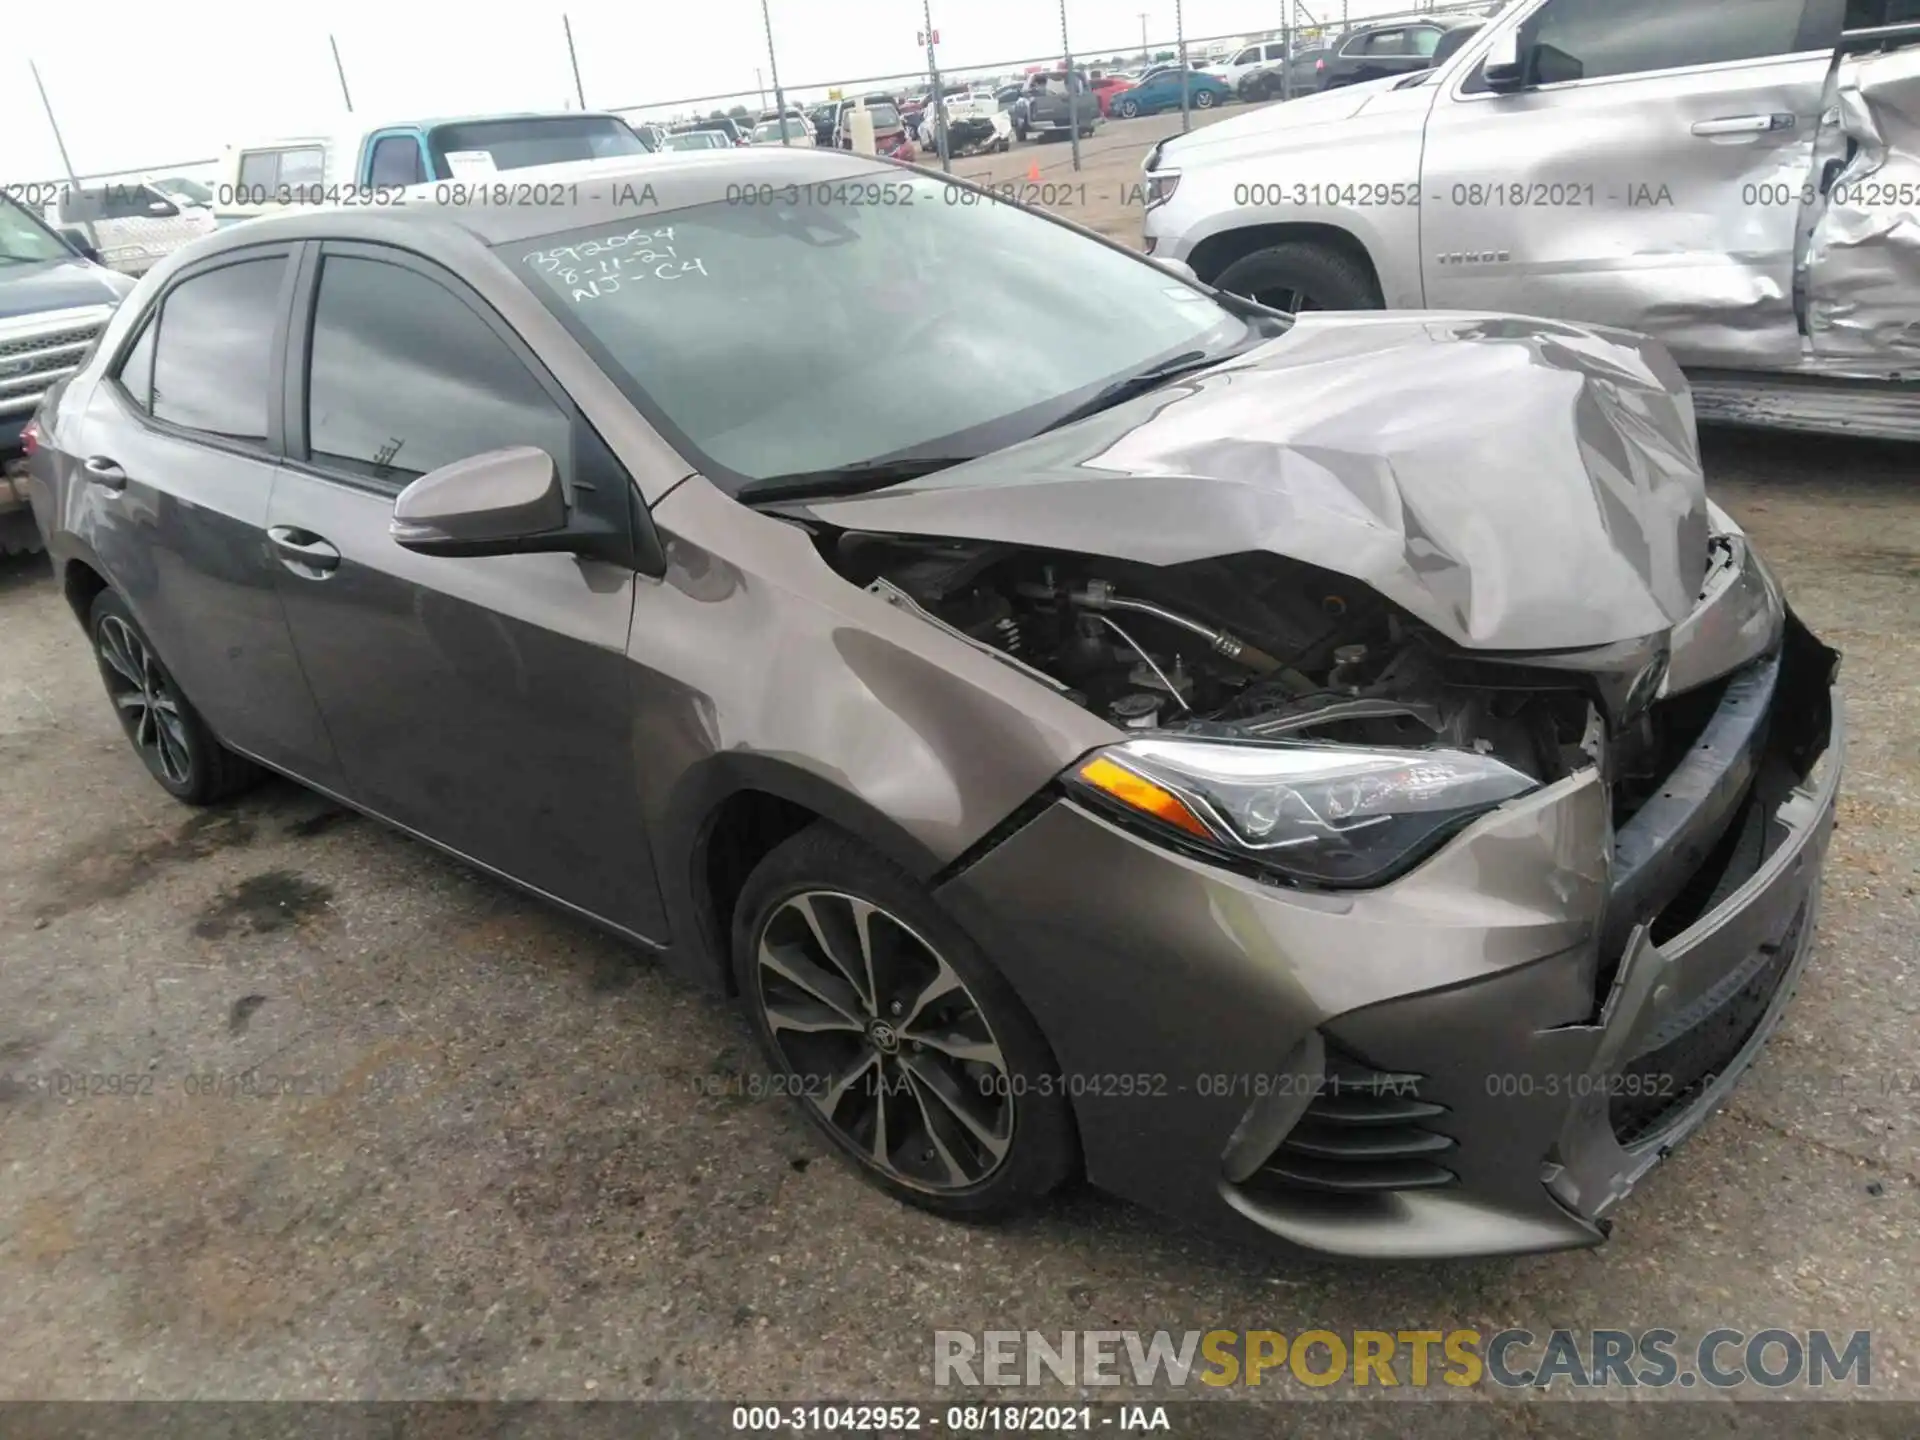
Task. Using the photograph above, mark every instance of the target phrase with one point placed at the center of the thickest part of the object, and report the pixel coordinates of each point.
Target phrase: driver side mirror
(1178, 267)
(503, 502)
(162, 207)
(1504, 68)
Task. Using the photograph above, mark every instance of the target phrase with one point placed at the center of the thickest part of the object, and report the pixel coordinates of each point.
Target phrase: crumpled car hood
(1517, 484)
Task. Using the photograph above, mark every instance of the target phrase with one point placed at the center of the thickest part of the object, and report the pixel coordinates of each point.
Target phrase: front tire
(1128, 108)
(166, 732)
(1299, 275)
(894, 1033)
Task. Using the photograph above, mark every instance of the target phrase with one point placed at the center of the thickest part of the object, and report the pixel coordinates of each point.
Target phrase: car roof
(357, 129)
(609, 191)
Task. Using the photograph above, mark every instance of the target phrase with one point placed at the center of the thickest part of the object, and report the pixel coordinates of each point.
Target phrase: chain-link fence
(1194, 40)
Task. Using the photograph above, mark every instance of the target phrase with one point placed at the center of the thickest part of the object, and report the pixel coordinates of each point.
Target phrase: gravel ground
(492, 1153)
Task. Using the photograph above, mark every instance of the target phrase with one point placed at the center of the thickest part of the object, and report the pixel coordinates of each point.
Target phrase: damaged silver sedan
(1337, 778)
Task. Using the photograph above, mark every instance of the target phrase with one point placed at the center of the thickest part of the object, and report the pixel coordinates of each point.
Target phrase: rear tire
(1301, 275)
(894, 1034)
(1128, 108)
(1204, 99)
(166, 732)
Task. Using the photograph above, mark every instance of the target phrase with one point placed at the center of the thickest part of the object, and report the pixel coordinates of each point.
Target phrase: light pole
(572, 59)
(1073, 95)
(341, 71)
(773, 63)
(1180, 39)
(934, 97)
(1286, 53)
(1144, 61)
(86, 226)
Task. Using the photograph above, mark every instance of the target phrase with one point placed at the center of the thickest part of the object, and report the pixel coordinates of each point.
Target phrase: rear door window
(214, 350)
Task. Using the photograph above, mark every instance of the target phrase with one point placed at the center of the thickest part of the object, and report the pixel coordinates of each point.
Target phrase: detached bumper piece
(1467, 1121)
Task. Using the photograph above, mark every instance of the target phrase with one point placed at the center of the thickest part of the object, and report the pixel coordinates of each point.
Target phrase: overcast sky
(140, 84)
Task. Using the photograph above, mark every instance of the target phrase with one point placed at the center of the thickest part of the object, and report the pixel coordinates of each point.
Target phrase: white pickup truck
(1739, 180)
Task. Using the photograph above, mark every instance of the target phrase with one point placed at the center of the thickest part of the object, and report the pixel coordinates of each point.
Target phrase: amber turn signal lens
(1141, 794)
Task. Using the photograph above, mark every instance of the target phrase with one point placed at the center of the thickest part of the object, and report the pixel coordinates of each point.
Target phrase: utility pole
(773, 64)
(572, 59)
(341, 71)
(760, 84)
(1180, 39)
(935, 98)
(1145, 60)
(60, 143)
(1073, 95)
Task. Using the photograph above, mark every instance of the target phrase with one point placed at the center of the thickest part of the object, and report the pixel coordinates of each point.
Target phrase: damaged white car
(1739, 181)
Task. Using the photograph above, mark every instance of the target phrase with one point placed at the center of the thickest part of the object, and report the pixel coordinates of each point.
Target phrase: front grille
(1365, 1131)
(31, 363)
(1666, 1081)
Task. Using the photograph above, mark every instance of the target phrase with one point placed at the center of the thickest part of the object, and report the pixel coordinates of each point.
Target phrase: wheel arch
(724, 817)
(1211, 256)
(81, 582)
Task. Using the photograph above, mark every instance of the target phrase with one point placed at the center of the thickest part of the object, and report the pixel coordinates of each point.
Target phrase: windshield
(770, 129)
(514, 144)
(24, 239)
(697, 140)
(822, 328)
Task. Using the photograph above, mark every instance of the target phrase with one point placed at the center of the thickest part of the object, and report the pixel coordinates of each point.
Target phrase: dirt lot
(483, 1153)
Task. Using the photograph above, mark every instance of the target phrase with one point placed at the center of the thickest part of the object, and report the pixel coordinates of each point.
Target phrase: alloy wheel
(889, 1046)
(145, 700)
(1204, 99)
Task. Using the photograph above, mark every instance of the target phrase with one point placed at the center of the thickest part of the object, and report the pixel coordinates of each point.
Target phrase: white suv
(1738, 181)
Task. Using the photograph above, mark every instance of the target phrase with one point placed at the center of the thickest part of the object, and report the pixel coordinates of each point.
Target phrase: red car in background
(1108, 86)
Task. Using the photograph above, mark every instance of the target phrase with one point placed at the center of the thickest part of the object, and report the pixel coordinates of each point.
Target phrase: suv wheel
(166, 731)
(896, 1036)
(1299, 275)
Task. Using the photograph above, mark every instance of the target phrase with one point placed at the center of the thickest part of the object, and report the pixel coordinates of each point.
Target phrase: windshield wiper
(1139, 383)
(846, 479)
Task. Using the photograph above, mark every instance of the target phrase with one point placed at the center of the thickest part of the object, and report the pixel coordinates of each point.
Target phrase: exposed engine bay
(1252, 646)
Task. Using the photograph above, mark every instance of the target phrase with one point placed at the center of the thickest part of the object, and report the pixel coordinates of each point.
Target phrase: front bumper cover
(1189, 1008)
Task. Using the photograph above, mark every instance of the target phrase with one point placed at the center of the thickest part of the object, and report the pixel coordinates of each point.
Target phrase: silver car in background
(1738, 181)
(1336, 779)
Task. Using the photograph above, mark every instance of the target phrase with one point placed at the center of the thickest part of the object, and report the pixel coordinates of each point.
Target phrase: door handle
(104, 472)
(303, 552)
(1745, 124)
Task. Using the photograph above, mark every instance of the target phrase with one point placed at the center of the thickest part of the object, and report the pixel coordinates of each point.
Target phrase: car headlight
(1331, 815)
(1160, 187)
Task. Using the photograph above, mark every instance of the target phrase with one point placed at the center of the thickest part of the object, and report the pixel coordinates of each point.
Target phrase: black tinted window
(396, 161)
(136, 371)
(1590, 39)
(534, 140)
(404, 377)
(215, 349)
